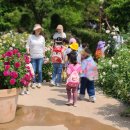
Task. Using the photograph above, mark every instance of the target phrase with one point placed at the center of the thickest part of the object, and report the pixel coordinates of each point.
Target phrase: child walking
(89, 74)
(30, 71)
(73, 71)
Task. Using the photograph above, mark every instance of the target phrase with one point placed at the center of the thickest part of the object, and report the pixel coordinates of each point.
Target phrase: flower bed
(114, 74)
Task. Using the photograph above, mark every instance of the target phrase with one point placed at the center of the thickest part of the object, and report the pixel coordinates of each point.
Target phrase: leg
(91, 91)
(59, 72)
(39, 69)
(75, 93)
(33, 61)
(54, 73)
(90, 88)
(83, 85)
(68, 95)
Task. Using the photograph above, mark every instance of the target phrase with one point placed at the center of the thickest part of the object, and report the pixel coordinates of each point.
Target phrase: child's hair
(87, 50)
(73, 58)
(85, 45)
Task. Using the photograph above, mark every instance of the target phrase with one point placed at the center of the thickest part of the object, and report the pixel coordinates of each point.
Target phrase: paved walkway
(106, 110)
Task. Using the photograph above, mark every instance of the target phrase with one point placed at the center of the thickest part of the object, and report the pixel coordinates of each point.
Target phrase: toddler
(73, 79)
(89, 74)
(30, 71)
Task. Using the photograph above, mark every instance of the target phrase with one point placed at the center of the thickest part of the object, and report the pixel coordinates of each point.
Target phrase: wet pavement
(42, 116)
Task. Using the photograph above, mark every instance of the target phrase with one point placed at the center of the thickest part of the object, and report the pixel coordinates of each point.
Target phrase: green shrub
(114, 74)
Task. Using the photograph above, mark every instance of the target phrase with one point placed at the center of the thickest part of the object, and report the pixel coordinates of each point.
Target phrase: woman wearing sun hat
(60, 32)
(36, 49)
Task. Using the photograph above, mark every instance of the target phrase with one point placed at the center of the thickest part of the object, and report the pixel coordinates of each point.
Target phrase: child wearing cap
(89, 74)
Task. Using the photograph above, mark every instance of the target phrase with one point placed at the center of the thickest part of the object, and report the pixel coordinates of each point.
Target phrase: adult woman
(36, 49)
(59, 33)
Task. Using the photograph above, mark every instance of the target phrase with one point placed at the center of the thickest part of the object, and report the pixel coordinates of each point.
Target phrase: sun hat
(101, 44)
(37, 26)
(72, 40)
(74, 46)
(59, 27)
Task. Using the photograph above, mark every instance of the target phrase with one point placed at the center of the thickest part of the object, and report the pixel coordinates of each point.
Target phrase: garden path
(106, 110)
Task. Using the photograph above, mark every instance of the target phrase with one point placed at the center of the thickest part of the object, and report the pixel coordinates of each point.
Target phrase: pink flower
(18, 54)
(14, 74)
(24, 82)
(7, 67)
(27, 77)
(12, 81)
(3, 55)
(15, 51)
(9, 53)
(6, 73)
(27, 59)
(6, 63)
(17, 64)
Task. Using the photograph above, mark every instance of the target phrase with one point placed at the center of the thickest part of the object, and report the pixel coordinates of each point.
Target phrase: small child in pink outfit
(31, 73)
(73, 80)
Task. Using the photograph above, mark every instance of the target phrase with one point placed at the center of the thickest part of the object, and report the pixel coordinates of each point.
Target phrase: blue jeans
(37, 66)
(87, 84)
(57, 71)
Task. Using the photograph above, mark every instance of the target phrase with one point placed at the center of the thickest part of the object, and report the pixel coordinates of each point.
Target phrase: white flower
(107, 31)
(109, 41)
(103, 24)
(117, 29)
(113, 33)
(112, 58)
(11, 48)
(104, 73)
(110, 62)
(114, 66)
(113, 27)
(13, 45)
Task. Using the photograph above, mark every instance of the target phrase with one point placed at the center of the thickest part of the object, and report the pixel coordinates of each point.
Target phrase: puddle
(42, 116)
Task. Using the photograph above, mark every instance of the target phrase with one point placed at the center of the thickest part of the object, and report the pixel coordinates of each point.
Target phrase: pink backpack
(74, 79)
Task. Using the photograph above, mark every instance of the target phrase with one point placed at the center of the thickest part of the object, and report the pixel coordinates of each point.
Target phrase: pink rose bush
(14, 72)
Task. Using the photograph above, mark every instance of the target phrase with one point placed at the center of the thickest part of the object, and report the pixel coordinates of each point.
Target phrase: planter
(8, 104)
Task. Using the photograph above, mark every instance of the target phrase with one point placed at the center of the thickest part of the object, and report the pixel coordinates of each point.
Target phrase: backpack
(57, 55)
(91, 71)
(74, 79)
(99, 53)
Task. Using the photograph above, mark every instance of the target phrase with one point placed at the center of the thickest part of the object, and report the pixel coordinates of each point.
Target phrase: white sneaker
(22, 92)
(39, 85)
(92, 99)
(58, 85)
(53, 83)
(81, 97)
(27, 92)
(34, 85)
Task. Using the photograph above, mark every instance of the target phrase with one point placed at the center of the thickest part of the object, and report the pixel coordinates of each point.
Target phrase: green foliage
(118, 12)
(114, 74)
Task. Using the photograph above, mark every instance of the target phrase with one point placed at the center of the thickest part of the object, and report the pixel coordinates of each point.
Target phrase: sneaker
(68, 103)
(75, 104)
(58, 85)
(92, 99)
(53, 83)
(27, 92)
(81, 97)
(34, 85)
(39, 85)
(22, 92)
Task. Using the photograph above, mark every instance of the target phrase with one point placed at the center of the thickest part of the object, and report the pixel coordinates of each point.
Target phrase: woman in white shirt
(36, 49)
(59, 33)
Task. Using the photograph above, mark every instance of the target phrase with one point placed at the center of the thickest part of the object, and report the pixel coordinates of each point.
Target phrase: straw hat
(37, 26)
(74, 46)
(59, 27)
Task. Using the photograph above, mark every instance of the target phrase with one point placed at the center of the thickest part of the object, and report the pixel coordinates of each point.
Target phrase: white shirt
(56, 35)
(36, 44)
